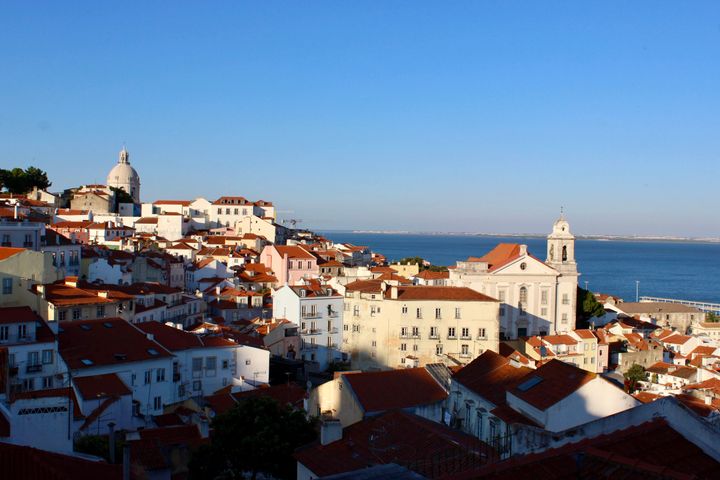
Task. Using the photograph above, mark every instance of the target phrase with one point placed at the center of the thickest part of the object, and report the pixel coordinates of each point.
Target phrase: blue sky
(443, 116)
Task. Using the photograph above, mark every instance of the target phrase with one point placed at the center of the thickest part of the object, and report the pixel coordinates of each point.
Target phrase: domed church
(124, 176)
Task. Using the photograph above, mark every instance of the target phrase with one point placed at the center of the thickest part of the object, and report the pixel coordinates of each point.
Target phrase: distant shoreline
(623, 238)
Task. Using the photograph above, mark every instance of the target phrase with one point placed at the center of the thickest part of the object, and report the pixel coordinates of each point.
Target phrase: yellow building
(391, 326)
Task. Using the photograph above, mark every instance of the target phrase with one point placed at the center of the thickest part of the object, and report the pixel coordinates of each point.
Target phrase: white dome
(122, 173)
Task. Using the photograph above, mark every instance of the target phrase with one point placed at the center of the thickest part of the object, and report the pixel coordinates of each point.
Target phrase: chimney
(217, 290)
(15, 212)
(41, 290)
(523, 249)
(71, 281)
(394, 292)
(708, 399)
(330, 431)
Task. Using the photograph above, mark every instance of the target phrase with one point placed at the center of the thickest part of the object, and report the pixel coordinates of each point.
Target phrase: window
(148, 377)
(438, 313)
(523, 296)
(564, 318)
(4, 333)
(219, 211)
(227, 211)
(157, 403)
(76, 314)
(7, 286)
(457, 313)
(62, 315)
(415, 348)
(48, 382)
(438, 349)
(160, 375)
(544, 297)
(433, 332)
(290, 264)
(464, 350)
(47, 357)
(482, 333)
(404, 309)
(403, 332)
(100, 311)
(451, 332)
(33, 358)
(543, 312)
(210, 366)
(501, 295)
(415, 331)
(22, 331)
(418, 313)
(403, 347)
(28, 384)
(356, 311)
(346, 327)
(236, 211)
(374, 343)
(197, 385)
(565, 299)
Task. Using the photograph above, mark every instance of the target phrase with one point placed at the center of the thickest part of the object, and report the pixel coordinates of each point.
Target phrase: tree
(588, 306)
(711, 317)
(19, 181)
(635, 373)
(257, 435)
(121, 196)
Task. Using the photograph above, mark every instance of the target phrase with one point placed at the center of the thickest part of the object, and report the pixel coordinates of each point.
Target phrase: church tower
(561, 257)
(561, 247)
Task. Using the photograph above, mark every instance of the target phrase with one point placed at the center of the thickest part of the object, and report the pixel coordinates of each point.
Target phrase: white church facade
(537, 298)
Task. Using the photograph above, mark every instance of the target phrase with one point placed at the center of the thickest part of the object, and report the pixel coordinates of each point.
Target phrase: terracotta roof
(18, 315)
(560, 340)
(364, 286)
(646, 397)
(66, 295)
(430, 275)
(147, 221)
(652, 450)
(27, 463)
(550, 383)
(175, 339)
(654, 308)
(380, 391)
(184, 203)
(500, 255)
(429, 448)
(7, 252)
(293, 251)
(490, 375)
(91, 343)
(420, 292)
(585, 334)
(101, 386)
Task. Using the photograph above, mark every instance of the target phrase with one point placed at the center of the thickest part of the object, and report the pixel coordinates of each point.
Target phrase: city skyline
(458, 118)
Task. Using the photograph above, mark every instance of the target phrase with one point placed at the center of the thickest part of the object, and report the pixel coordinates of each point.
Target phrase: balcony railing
(452, 337)
(311, 315)
(311, 331)
(466, 337)
(34, 368)
(434, 337)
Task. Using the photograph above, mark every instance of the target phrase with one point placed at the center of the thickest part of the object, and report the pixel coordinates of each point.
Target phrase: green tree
(587, 305)
(19, 181)
(634, 374)
(257, 436)
(711, 317)
(121, 196)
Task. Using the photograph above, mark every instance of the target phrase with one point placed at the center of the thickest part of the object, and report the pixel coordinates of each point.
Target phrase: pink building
(290, 263)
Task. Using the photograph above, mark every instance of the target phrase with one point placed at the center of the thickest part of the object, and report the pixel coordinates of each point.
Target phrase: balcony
(34, 368)
(333, 330)
(311, 331)
(311, 315)
(452, 337)
(465, 355)
(415, 336)
(434, 337)
(466, 337)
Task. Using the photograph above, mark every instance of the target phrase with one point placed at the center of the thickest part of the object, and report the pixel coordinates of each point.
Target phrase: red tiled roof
(175, 339)
(499, 256)
(650, 450)
(379, 391)
(105, 342)
(490, 375)
(184, 203)
(293, 251)
(27, 463)
(419, 292)
(100, 386)
(557, 381)
(7, 252)
(396, 437)
(430, 275)
(18, 315)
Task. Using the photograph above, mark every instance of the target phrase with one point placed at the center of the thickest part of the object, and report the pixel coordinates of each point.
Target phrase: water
(684, 270)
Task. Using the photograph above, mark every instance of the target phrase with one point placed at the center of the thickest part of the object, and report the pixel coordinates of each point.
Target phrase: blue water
(683, 270)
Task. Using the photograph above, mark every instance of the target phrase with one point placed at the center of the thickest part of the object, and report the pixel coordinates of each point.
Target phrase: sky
(478, 116)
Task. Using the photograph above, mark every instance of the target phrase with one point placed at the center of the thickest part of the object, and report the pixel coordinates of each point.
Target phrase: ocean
(683, 270)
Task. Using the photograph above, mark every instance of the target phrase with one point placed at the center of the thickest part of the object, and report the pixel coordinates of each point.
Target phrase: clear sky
(404, 115)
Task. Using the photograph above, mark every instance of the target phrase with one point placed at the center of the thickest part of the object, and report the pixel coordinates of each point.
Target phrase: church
(124, 176)
(537, 298)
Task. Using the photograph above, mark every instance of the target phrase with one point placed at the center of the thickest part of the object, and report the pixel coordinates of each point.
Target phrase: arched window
(564, 253)
(523, 296)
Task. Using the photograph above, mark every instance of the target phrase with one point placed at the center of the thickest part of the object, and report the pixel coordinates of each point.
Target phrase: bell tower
(561, 247)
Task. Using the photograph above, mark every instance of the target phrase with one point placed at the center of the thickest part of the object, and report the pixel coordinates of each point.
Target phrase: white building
(124, 176)
(538, 298)
(318, 311)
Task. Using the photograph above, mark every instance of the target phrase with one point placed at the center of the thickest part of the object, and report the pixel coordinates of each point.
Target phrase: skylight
(85, 326)
(87, 362)
(107, 325)
(528, 384)
(153, 352)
